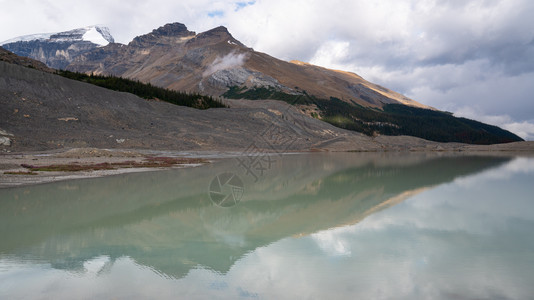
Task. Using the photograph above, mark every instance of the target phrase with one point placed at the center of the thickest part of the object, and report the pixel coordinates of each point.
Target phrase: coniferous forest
(392, 119)
(146, 90)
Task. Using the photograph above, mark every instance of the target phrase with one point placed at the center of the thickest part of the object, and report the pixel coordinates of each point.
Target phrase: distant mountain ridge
(57, 50)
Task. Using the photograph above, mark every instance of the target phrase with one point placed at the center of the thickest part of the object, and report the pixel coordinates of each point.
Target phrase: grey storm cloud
(471, 57)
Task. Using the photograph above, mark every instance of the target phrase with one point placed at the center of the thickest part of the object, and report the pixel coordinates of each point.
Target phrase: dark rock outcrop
(157, 36)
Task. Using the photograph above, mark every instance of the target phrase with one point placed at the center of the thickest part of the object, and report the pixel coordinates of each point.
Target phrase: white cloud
(231, 60)
(331, 244)
(332, 54)
(524, 129)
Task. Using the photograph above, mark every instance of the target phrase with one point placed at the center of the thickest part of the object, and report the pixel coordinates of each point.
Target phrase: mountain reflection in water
(304, 218)
(166, 221)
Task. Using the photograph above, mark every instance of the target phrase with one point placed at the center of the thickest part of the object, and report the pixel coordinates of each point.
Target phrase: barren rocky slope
(42, 111)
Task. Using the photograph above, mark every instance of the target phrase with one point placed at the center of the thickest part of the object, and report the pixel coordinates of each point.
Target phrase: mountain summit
(172, 30)
(57, 50)
(214, 62)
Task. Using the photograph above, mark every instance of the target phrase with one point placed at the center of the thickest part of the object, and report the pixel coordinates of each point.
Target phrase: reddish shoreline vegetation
(20, 173)
(149, 162)
(27, 168)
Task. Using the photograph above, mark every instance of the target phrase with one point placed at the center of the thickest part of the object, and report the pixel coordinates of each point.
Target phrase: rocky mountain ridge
(212, 62)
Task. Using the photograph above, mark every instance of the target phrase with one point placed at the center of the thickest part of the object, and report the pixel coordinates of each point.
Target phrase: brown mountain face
(213, 61)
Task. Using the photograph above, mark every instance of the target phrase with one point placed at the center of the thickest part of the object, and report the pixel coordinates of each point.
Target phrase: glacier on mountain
(58, 50)
(95, 34)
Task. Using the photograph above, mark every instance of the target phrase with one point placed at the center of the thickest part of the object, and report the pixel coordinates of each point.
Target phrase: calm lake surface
(312, 226)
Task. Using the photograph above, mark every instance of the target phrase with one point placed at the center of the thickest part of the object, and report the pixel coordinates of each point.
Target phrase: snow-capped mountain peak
(57, 50)
(96, 34)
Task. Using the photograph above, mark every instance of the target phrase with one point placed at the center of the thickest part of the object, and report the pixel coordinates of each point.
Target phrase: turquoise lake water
(303, 226)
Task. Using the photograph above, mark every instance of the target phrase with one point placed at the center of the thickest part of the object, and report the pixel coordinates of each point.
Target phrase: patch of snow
(92, 35)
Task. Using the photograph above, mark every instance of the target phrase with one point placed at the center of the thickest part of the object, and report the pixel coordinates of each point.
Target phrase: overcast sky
(474, 58)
